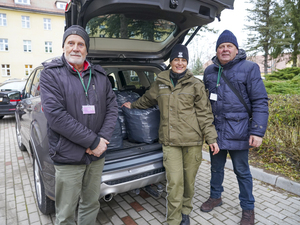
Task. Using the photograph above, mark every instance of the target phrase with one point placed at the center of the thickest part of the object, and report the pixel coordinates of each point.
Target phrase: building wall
(13, 31)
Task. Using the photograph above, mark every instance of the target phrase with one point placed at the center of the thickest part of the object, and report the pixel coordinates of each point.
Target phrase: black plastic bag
(126, 96)
(116, 141)
(122, 97)
(142, 124)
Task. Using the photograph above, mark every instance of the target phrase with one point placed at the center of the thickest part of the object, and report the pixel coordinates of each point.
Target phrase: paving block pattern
(18, 202)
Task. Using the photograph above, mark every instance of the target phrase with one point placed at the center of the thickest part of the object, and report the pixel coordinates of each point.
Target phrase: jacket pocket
(190, 125)
(236, 126)
(165, 155)
(67, 152)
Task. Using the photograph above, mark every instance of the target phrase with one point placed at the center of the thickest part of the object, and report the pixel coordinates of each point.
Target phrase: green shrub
(296, 80)
(281, 144)
(284, 74)
(283, 87)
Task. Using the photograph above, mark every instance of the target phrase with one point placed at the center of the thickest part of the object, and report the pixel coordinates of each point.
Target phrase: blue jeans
(242, 171)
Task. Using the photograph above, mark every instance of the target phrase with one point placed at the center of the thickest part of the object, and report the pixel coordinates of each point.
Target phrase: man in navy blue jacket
(81, 112)
(237, 132)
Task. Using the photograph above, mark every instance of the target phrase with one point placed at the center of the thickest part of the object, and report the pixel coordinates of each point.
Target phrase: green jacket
(185, 111)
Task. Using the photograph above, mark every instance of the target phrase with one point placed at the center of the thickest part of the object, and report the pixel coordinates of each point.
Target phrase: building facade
(30, 32)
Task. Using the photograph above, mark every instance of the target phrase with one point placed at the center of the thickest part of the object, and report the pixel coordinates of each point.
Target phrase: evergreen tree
(197, 67)
(264, 25)
(291, 16)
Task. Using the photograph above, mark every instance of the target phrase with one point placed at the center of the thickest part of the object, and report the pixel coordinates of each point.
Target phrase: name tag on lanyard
(88, 109)
(213, 97)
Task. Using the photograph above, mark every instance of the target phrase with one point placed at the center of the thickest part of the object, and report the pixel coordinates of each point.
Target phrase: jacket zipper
(95, 92)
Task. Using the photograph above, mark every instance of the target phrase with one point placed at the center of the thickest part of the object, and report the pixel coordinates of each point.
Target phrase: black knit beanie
(77, 30)
(179, 51)
(227, 36)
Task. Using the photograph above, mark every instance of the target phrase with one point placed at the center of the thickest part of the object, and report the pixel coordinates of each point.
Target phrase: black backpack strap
(237, 94)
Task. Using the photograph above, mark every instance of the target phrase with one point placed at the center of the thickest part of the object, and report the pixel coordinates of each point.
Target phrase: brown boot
(247, 217)
(210, 204)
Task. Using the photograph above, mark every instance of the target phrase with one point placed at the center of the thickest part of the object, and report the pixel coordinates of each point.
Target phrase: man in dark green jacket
(185, 120)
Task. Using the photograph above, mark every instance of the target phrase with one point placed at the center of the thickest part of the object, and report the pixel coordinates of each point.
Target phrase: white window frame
(48, 47)
(3, 45)
(23, 2)
(5, 70)
(28, 69)
(25, 21)
(47, 24)
(3, 20)
(61, 5)
(27, 45)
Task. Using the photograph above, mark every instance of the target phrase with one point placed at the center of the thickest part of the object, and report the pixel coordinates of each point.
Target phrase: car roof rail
(52, 58)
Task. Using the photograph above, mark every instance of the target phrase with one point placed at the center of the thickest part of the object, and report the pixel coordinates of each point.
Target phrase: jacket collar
(165, 77)
(70, 68)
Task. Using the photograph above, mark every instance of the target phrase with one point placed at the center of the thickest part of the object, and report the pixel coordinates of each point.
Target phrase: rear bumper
(131, 185)
(7, 112)
(130, 178)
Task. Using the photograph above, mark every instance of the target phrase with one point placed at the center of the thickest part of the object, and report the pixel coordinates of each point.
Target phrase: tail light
(68, 5)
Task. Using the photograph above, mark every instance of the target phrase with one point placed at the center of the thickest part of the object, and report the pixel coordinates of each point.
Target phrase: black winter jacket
(231, 118)
(71, 132)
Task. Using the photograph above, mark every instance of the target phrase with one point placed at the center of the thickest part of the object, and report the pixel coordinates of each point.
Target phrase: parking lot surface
(18, 203)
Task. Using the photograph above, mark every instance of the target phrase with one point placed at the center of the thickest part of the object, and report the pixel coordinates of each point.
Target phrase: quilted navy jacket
(71, 132)
(230, 116)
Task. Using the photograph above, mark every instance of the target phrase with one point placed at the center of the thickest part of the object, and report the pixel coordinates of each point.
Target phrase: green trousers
(181, 164)
(75, 183)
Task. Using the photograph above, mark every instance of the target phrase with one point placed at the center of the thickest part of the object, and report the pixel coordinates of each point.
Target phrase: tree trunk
(294, 55)
(266, 59)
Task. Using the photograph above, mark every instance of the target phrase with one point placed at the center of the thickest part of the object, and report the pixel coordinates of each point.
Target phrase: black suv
(10, 95)
(131, 40)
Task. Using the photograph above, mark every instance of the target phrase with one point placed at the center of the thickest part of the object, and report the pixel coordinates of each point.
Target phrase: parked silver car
(130, 39)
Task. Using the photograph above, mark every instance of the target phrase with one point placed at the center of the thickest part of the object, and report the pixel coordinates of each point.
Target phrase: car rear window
(121, 27)
(13, 86)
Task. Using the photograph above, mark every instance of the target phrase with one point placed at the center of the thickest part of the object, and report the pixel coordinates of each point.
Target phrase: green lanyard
(219, 75)
(172, 82)
(85, 88)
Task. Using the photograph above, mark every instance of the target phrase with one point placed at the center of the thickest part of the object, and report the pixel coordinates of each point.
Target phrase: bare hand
(89, 151)
(255, 141)
(214, 147)
(100, 149)
(127, 105)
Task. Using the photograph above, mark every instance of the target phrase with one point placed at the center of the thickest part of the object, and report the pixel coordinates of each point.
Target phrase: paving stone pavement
(18, 203)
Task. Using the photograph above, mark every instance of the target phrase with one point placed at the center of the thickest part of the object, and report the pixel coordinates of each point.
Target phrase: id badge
(213, 97)
(88, 109)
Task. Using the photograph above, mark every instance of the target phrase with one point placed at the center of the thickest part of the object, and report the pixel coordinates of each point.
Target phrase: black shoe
(185, 220)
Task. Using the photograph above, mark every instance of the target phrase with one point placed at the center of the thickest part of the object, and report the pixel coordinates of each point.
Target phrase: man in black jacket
(81, 112)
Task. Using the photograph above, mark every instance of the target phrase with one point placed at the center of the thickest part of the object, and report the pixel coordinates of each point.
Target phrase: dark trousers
(242, 171)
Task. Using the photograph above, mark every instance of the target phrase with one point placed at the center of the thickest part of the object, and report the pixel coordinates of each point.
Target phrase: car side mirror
(22, 94)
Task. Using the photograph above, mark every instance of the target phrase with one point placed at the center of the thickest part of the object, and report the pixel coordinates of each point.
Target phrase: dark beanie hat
(179, 51)
(227, 36)
(77, 30)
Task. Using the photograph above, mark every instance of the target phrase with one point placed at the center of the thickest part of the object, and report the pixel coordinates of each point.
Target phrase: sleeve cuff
(211, 141)
(95, 143)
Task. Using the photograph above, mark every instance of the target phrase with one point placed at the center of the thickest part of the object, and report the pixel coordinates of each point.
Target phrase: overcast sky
(233, 20)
